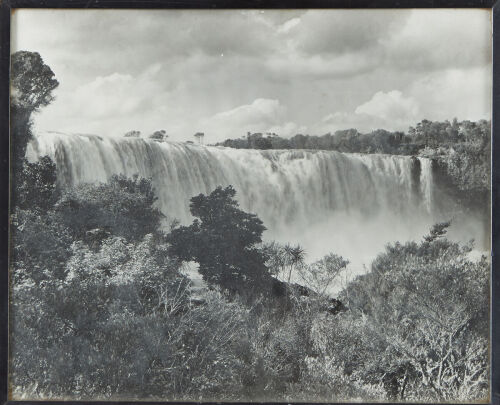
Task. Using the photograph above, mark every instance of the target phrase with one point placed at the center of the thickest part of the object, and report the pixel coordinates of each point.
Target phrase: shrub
(122, 206)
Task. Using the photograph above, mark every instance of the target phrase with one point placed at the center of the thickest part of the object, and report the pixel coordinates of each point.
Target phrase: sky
(228, 72)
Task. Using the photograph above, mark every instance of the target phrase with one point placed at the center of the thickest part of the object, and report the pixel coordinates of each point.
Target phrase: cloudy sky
(229, 72)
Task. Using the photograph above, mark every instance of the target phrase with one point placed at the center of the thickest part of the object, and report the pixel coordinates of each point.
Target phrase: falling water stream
(349, 204)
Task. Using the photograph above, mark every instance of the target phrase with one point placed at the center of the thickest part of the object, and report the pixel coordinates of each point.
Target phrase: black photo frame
(7, 7)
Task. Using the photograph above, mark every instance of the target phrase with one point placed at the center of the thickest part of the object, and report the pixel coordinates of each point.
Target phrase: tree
(39, 239)
(320, 275)
(36, 187)
(199, 136)
(32, 84)
(263, 143)
(223, 239)
(123, 206)
(283, 260)
(125, 301)
(32, 81)
(159, 135)
(418, 322)
(132, 134)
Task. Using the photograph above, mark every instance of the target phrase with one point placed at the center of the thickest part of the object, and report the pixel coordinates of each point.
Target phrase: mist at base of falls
(361, 240)
(326, 201)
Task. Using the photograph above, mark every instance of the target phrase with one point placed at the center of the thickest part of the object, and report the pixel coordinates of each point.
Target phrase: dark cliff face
(416, 170)
(463, 200)
(471, 195)
(461, 189)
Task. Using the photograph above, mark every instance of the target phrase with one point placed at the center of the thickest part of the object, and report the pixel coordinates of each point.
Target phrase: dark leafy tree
(32, 81)
(223, 239)
(32, 84)
(159, 135)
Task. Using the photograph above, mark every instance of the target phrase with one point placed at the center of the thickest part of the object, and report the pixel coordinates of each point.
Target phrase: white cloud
(262, 115)
(288, 25)
(465, 94)
(287, 129)
(346, 120)
(95, 106)
(442, 95)
(441, 38)
(262, 111)
(320, 66)
(345, 31)
(390, 106)
(385, 110)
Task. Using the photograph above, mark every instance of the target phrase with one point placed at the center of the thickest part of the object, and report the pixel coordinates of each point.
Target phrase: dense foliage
(426, 134)
(113, 316)
(223, 241)
(122, 206)
(418, 322)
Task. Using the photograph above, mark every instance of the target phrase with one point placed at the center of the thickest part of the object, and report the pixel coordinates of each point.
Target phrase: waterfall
(426, 182)
(303, 195)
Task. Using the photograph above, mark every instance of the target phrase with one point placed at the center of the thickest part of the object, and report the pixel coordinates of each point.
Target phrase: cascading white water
(351, 204)
(426, 182)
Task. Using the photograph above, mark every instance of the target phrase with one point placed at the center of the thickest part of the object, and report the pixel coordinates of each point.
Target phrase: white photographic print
(250, 205)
